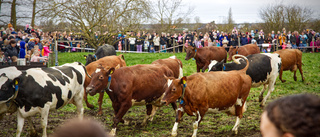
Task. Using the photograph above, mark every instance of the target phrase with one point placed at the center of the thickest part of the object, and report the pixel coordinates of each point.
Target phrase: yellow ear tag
(16, 83)
(184, 81)
(85, 57)
(111, 71)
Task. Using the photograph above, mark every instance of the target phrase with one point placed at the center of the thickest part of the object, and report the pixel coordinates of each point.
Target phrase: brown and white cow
(106, 62)
(243, 50)
(204, 55)
(291, 60)
(212, 91)
(134, 85)
(172, 63)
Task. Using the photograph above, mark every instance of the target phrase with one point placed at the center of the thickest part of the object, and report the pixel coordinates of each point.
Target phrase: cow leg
(236, 125)
(300, 69)
(295, 76)
(280, 76)
(270, 90)
(179, 114)
(196, 124)
(100, 102)
(205, 66)
(20, 124)
(174, 106)
(124, 107)
(33, 131)
(262, 91)
(86, 100)
(44, 119)
(198, 68)
(151, 111)
(77, 101)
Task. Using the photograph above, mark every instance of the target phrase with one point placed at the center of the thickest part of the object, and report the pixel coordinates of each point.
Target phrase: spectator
(156, 42)
(11, 49)
(292, 116)
(163, 42)
(318, 44)
(289, 46)
(36, 57)
(132, 42)
(244, 40)
(80, 128)
(139, 43)
(225, 42)
(233, 42)
(31, 43)
(46, 49)
(22, 52)
(282, 38)
(303, 40)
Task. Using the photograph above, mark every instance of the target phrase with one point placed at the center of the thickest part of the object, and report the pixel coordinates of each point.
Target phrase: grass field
(211, 125)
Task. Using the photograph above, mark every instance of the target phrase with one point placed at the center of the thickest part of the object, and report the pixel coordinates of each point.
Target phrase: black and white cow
(38, 90)
(102, 51)
(263, 69)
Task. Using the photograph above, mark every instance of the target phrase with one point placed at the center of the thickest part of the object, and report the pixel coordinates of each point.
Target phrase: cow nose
(88, 89)
(186, 58)
(163, 102)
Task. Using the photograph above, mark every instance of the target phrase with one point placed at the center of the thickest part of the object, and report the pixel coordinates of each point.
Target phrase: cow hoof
(260, 99)
(33, 134)
(302, 79)
(174, 134)
(283, 81)
(127, 122)
(90, 106)
(295, 78)
(99, 113)
(235, 132)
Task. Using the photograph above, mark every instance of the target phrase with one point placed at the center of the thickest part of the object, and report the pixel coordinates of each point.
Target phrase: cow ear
(222, 61)
(183, 80)
(3, 75)
(85, 56)
(111, 70)
(165, 77)
(117, 67)
(16, 81)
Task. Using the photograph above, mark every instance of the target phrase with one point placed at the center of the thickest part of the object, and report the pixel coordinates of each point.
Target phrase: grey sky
(242, 10)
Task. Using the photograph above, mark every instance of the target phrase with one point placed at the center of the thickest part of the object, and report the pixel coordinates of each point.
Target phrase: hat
(13, 32)
(32, 30)
(10, 25)
(31, 39)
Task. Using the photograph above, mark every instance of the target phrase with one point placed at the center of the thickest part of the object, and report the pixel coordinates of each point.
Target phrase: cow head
(216, 66)
(191, 52)
(99, 80)
(174, 90)
(232, 51)
(90, 58)
(7, 88)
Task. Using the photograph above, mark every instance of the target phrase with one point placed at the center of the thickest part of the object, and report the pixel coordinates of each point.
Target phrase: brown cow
(204, 55)
(105, 62)
(291, 60)
(172, 63)
(243, 50)
(134, 85)
(212, 91)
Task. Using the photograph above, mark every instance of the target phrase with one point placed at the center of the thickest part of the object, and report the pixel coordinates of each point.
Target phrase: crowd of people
(151, 42)
(34, 43)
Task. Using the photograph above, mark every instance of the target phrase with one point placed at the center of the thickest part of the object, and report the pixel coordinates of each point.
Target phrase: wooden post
(174, 44)
(51, 55)
(183, 45)
(56, 52)
(277, 44)
(238, 41)
(125, 45)
(313, 44)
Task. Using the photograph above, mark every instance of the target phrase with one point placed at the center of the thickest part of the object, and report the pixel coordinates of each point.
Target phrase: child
(151, 49)
(289, 46)
(119, 46)
(284, 46)
(36, 57)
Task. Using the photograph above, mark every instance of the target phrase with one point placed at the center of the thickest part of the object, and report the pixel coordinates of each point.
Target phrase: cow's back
(248, 49)
(108, 61)
(213, 53)
(139, 81)
(173, 64)
(105, 50)
(214, 86)
(290, 58)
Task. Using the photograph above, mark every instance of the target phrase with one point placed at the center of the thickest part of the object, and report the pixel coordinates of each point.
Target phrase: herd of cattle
(224, 88)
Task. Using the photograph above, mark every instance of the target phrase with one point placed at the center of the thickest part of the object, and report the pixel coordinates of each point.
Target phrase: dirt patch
(218, 125)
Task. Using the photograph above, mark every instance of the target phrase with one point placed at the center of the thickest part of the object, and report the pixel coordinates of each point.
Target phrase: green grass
(212, 124)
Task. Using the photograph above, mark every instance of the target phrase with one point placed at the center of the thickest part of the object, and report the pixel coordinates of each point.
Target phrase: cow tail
(237, 61)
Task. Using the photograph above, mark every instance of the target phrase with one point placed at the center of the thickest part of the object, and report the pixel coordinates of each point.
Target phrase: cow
(263, 69)
(204, 55)
(102, 51)
(106, 62)
(39, 90)
(243, 50)
(291, 60)
(172, 63)
(134, 85)
(212, 91)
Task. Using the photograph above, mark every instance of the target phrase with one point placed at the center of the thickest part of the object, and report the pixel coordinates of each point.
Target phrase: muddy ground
(218, 125)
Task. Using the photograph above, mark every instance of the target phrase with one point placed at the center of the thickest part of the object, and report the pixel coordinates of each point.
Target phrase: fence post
(238, 41)
(51, 55)
(125, 45)
(277, 44)
(183, 45)
(174, 46)
(56, 53)
(313, 44)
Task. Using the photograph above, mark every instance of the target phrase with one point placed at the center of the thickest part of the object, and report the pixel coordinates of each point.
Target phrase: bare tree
(197, 23)
(169, 13)
(278, 16)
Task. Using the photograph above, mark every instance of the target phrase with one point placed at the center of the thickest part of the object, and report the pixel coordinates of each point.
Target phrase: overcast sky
(242, 10)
